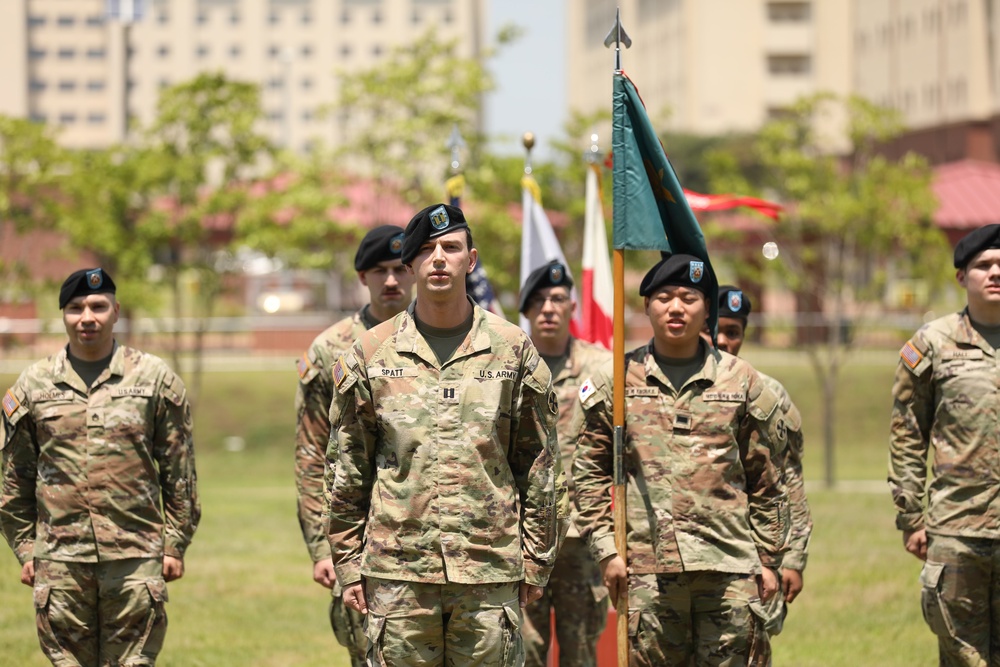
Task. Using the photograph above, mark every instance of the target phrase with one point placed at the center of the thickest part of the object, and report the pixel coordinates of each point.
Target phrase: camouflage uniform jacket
(947, 394)
(703, 488)
(445, 473)
(798, 507)
(84, 471)
(312, 431)
(583, 362)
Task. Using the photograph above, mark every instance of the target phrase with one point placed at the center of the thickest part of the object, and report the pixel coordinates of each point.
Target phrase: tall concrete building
(66, 63)
(711, 66)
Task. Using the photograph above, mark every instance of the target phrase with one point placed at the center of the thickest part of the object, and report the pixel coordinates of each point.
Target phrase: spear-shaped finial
(528, 139)
(455, 144)
(618, 36)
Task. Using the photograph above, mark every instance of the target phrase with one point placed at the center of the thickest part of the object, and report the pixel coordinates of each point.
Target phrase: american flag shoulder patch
(303, 365)
(339, 371)
(910, 354)
(10, 404)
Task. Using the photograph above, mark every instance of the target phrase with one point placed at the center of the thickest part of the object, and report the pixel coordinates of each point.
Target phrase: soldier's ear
(473, 258)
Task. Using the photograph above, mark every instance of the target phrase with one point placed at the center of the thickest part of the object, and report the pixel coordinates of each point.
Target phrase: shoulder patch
(587, 389)
(553, 403)
(339, 371)
(303, 365)
(175, 391)
(10, 403)
(910, 355)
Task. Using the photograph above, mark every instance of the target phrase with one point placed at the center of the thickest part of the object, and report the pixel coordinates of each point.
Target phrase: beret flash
(734, 303)
(433, 221)
(84, 282)
(975, 242)
(553, 274)
(680, 270)
(382, 244)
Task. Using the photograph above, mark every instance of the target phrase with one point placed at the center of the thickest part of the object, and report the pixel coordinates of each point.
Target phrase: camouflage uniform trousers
(467, 625)
(708, 619)
(580, 602)
(348, 627)
(98, 614)
(960, 598)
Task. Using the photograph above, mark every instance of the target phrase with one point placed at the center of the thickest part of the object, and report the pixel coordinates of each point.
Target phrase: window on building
(67, 117)
(274, 18)
(789, 65)
(96, 118)
(276, 115)
(67, 53)
(36, 21)
(95, 85)
(163, 51)
(35, 53)
(201, 51)
(376, 50)
(779, 113)
(307, 83)
(163, 18)
(66, 21)
(306, 50)
(307, 115)
(39, 117)
(788, 12)
(415, 17)
(235, 51)
(234, 18)
(37, 85)
(376, 17)
(651, 9)
(345, 50)
(96, 53)
(306, 18)
(274, 51)
(276, 83)
(163, 83)
(95, 20)
(201, 18)
(345, 17)
(67, 85)
(447, 17)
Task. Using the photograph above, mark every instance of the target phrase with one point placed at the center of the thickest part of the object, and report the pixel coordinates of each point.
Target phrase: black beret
(553, 274)
(382, 244)
(84, 282)
(433, 221)
(974, 243)
(734, 303)
(681, 270)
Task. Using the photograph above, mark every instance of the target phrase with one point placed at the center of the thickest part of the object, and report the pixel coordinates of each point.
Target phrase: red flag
(598, 292)
(700, 202)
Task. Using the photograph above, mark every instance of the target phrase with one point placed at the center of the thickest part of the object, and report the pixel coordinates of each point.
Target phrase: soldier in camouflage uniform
(390, 288)
(734, 309)
(575, 592)
(707, 515)
(447, 494)
(946, 396)
(97, 436)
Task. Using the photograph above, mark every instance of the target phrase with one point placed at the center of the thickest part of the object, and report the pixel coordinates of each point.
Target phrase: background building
(67, 64)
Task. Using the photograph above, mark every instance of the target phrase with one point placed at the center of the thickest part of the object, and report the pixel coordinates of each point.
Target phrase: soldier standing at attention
(97, 436)
(390, 289)
(707, 511)
(734, 309)
(447, 494)
(946, 395)
(575, 591)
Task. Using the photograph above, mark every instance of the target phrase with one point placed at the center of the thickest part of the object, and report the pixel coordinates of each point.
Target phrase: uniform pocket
(512, 653)
(375, 633)
(931, 603)
(646, 641)
(758, 641)
(47, 637)
(151, 642)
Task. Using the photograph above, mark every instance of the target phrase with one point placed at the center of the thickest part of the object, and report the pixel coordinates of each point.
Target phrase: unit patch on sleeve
(910, 354)
(339, 371)
(303, 365)
(587, 389)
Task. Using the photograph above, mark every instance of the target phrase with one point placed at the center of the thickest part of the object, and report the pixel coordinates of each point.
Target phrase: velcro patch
(553, 403)
(10, 403)
(133, 391)
(910, 355)
(948, 355)
(500, 374)
(303, 365)
(725, 396)
(383, 372)
(47, 395)
(339, 371)
(641, 391)
(587, 389)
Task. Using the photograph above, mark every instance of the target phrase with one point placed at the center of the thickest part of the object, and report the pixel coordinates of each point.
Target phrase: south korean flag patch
(587, 389)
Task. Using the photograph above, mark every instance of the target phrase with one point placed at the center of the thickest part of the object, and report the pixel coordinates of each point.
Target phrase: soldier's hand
(791, 581)
(767, 584)
(528, 593)
(173, 568)
(615, 576)
(323, 573)
(28, 573)
(916, 542)
(354, 598)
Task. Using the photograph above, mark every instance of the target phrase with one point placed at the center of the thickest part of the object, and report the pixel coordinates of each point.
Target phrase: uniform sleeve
(593, 467)
(909, 433)
(173, 448)
(801, 518)
(537, 468)
(18, 509)
(350, 467)
(312, 435)
(762, 440)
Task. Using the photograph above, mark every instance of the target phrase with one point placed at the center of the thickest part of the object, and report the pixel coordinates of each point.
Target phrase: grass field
(248, 597)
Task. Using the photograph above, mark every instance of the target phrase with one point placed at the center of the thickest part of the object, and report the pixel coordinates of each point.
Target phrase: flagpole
(617, 36)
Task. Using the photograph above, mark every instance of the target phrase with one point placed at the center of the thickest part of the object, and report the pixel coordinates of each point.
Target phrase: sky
(530, 75)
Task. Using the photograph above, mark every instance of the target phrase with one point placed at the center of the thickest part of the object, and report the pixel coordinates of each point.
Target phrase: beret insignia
(439, 218)
(696, 271)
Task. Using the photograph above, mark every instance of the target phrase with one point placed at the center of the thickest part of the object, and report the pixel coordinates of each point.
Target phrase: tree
(849, 221)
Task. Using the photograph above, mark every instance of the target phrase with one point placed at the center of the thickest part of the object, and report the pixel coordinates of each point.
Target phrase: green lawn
(248, 597)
